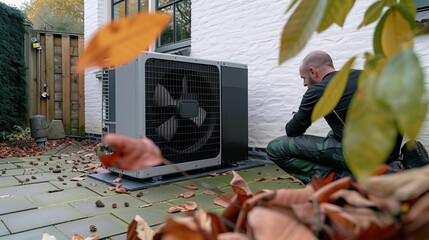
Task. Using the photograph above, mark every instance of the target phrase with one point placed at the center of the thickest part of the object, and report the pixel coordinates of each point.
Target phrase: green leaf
(410, 6)
(377, 33)
(372, 13)
(291, 5)
(395, 30)
(369, 135)
(333, 92)
(299, 28)
(335, 12)
(402, 87)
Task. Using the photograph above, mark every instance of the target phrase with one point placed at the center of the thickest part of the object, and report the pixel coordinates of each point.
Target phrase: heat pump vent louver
(183, 109)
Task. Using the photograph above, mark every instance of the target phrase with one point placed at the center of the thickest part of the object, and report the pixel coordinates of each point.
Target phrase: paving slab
(38, 177)
(153, 215)
(203, 201)
(9, 181)
(36, 234)
(267, 169)
(42, 217)
(274, 185)
(15, 204)
(161, 193)
(11, 160)
(89, 207)
(14, 172)
(66, 196)
(3, 230)
(26, 189)
(7, 166)
(119, 237)
(107, 225)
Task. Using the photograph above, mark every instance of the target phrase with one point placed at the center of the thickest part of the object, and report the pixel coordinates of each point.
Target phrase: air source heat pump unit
(194, 110)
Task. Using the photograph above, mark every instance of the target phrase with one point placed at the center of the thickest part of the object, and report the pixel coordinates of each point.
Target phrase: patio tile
(274, 185)
(205, 181)
(3, 230)
(26, 189)
(22, 221)
(153, 215)
(9, 181)
(268, 170)
(40, 177)
(98, 187)
(11, 160)
(7, 166)
(89, 208)
(107, 225)
(36, 234)
(119, 237)
(161, 193)
(13, 172)
(66, 196)
(203, 201)
(15, 204)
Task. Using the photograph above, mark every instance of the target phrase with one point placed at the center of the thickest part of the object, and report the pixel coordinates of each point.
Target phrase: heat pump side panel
(126, 92)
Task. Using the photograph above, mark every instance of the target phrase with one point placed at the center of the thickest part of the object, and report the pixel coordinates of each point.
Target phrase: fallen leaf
(117, 180)
(270, 224)
(189, 206)
(239, 186)
(122, 190)
(224, 200)
(180, 229)
(187, 194)
(78, 237)
(77, 179)
(208, 192)
(232, 236)
(120, 41)
(131, 154)
(191, 187)
(145, 206)
(139, 229)
(46, 236)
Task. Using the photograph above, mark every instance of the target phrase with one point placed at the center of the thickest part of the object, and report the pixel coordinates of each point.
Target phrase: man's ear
(313, 72)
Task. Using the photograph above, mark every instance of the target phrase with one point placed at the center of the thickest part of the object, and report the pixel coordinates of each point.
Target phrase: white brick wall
(249, 32)
(94, 19)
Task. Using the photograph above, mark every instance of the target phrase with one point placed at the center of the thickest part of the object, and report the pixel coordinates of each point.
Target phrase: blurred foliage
(53, 15)
(19, 136)
(13, 92)
(391, 97)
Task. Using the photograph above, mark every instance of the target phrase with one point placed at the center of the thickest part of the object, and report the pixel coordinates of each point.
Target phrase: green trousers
(305, 156)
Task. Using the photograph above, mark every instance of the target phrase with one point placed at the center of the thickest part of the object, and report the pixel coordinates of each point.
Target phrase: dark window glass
(121, 8)
(167, 36)
(183, 20)
(118, 10)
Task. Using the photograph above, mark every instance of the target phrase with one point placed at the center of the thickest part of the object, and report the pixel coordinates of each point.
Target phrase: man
(304, 156)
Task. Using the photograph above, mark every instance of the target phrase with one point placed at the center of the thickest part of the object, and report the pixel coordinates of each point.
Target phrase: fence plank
(65, 43)
(50, 77)
(34, 110)
(81, 91)
(43, 75)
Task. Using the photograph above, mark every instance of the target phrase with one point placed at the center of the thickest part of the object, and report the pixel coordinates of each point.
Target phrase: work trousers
(306, 156)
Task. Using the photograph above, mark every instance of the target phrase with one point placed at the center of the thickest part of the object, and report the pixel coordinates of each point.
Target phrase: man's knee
(276, 149)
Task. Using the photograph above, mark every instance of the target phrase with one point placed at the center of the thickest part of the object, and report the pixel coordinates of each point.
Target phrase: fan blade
(199, 119)
(162, 97)
(168, 128)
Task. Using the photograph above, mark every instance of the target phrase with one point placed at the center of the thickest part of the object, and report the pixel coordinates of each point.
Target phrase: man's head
(315, 66)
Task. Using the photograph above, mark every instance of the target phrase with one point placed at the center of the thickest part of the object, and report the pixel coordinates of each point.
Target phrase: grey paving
(3, 230)
(153, 215)
(15, 204)
(36, 234)
(9, 181)
(107, 225)
(66, 196)
(26, 189)
(32, 219)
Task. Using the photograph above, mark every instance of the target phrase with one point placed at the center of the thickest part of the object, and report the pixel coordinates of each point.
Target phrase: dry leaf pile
(394, 206)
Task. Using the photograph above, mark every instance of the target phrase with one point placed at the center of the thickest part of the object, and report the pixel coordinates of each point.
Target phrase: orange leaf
(121, 41)
(187, 194)
(131, 154)
(139, 229)
(224, 200)
(240, 186)
(192, 187)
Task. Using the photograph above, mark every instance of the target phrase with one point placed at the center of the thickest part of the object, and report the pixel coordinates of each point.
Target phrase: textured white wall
(94, 19)
(249, 32)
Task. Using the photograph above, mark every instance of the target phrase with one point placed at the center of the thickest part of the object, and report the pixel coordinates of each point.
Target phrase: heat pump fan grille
(183, 109)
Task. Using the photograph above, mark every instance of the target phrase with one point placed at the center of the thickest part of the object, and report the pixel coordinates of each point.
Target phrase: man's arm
(302, 119)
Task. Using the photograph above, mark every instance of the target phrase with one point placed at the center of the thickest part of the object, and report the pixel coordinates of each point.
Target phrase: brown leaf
(117, 180)
(122, 190)
(191, 187)
(353, 198)
(131, 154)
(324, 193)
(224, 200)
(180, 229)
(139, 229)
(187, 194)
(270, 224)
(120, 41)
(232, 236)
(208, 192)
(417, 219)
(189, 206)
(77, 179)
(240, 186)
(145, 206)
(78, 237)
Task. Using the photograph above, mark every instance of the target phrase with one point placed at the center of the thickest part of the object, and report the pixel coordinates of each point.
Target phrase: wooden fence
(52, 69)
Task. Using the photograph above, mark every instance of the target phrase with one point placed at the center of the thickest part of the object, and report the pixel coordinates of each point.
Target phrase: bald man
(304, 156)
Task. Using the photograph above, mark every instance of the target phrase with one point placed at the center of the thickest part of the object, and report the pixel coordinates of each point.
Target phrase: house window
(422, 17)
(178, 33)
(121, 8)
